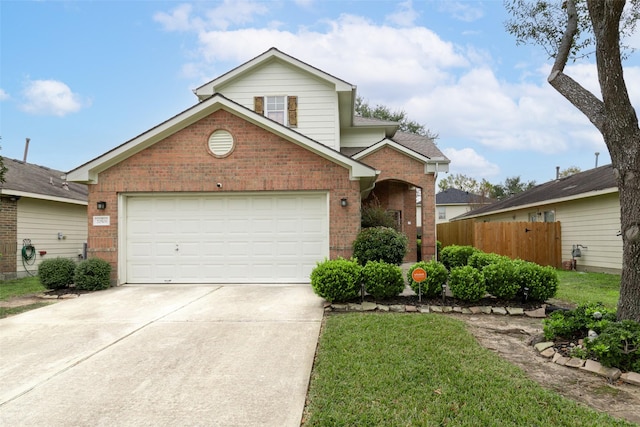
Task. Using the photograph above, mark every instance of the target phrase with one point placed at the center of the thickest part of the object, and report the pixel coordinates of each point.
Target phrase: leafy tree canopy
(484, 188)
(363, 109)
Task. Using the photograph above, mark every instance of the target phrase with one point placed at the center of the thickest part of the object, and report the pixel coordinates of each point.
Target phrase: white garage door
(248, 238)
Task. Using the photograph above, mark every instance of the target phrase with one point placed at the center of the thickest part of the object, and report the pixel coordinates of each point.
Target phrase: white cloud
(468, 162)
(221, 17)
(50, 97)
(3, 95)
(463, 11)
(405, 16)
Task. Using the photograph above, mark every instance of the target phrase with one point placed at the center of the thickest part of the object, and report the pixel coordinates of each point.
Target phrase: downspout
(435, 227)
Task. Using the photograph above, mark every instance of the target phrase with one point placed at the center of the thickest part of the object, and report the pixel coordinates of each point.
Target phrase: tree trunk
(616, 119)
(622, 136)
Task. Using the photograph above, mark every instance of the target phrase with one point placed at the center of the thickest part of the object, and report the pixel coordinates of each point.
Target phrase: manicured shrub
(337, 279)
(542, 282)
(380, 244)
(93, 274)
(575, 324)
(617, 345)
(56, 273)
(467, 283)
(500, 279)
(382, 280)
(456, 256)
(436, 276)
(481, 259)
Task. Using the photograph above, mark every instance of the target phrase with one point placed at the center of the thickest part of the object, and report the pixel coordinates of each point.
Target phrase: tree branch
(581, 98)
(564, 48)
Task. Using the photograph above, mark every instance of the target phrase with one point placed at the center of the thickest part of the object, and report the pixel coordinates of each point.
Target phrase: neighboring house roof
(454, 196)
(39, 182)
(593, 182)
(419, 144)
(88, 172)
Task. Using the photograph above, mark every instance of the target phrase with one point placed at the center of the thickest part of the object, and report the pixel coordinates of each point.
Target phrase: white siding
(41, 221)
(361, 137)
(593, 222)
(317, 101)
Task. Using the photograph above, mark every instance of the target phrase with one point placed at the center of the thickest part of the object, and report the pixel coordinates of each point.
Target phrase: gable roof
(590, 183)
(455, 196)
(88, 172)
(40, 182)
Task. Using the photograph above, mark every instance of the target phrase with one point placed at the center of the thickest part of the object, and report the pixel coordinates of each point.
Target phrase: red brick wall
(397, 166)
(260, 161)
(8, 238)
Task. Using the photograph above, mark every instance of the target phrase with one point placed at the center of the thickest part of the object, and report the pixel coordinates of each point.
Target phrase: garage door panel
(267, 238)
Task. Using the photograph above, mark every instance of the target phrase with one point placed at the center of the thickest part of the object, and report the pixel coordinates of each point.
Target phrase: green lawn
(425, 370)
(579, 288)
(17, 287)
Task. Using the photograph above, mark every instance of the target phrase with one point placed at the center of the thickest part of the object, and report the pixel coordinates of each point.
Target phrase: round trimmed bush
(481, 259)
(542, 282)
(380, 244)
(382, 280)
(467, 283)
(93, 275)
(336, 279)
(56, 273)
(436, 276)
(500, 279)
(456, 256)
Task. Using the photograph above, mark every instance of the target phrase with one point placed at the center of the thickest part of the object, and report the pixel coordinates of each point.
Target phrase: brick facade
(260, 161)
(8, 238)
(399, 173)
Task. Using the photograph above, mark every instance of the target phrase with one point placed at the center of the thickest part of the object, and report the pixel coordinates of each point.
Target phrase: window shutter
(292, 111)
(258, 105)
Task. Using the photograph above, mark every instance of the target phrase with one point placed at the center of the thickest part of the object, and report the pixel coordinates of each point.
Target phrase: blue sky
(81, 77)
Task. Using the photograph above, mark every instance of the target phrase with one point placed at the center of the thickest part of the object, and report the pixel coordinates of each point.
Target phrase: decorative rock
(45, 296)
(327, 304)
(383, 307)
(435, 309)
(424, 309)
(339, 307)
(561, 360)
(592, 335)
(515, 311)
(485, 310)
(499, 310)
(595, 367)
(447, 309)
(355, 307)
(410, 308)
(475, 310)
(369, 306)
(396, 308)
(466, 310)
(548, 353)
(539, 313)
(631, 378)
(541, 346)
(69, 296)
(574, 362)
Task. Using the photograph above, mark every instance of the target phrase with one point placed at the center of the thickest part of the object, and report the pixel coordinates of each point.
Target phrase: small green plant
(337, 279)
(373, 215)
(456, 256)
(382, 280)
(575, 324)
(56, 273)
(579, 352)
(467, 283)
(93, 275)
(500, 279)
(617, 345)
(380, 244)
(437, 275)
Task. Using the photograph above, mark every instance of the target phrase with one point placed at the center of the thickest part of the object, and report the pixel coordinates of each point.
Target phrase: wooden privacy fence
(539, 242)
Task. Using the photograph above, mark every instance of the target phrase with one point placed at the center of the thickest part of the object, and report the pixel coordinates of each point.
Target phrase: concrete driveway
(162, 355)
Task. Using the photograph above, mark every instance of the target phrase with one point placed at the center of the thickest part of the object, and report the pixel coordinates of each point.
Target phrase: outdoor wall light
(343, 202)
(102, 205)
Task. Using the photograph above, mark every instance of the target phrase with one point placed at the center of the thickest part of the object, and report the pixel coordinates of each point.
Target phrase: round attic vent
(221, 143)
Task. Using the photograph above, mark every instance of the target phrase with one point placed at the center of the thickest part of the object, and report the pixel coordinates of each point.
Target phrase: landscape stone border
(544, 349)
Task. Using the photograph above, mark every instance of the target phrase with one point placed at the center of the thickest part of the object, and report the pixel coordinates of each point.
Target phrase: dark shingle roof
(598, 179)
(30, 178)
(419, 144)
(452, 196)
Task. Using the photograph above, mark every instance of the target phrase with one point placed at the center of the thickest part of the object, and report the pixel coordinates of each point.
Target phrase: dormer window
(279, 108)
